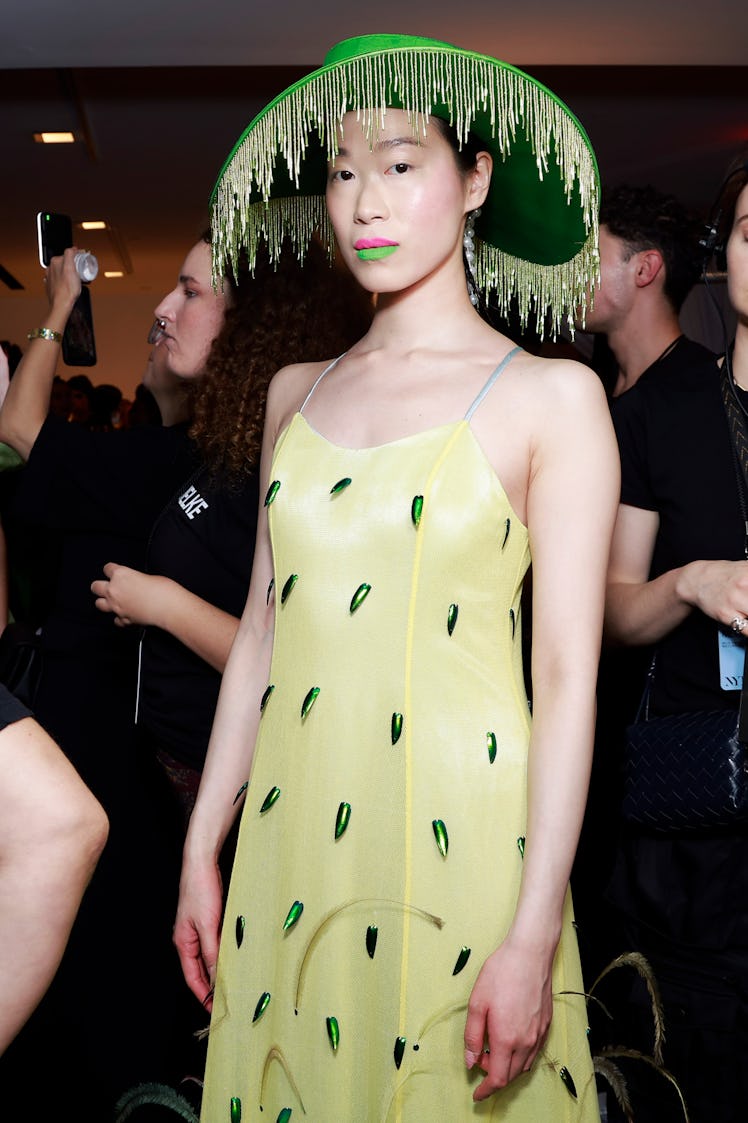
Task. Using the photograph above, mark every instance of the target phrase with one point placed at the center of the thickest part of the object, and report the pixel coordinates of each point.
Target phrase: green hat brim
(537, 233)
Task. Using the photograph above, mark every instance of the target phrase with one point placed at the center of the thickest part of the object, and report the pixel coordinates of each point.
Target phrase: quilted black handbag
(686, 772)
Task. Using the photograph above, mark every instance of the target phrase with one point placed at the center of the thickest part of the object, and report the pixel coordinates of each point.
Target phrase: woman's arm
(227, 767)
(571, 503)
(640, 611)
(230, 751)
(27, 402)
(147, 599)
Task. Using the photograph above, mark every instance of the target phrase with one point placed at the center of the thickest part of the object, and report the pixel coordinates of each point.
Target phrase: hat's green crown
(537, 235)
(361, 45)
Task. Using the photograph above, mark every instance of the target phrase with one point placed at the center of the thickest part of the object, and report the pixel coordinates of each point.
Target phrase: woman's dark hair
(736, 178)
(105, 403)
(83, 383)
(465, 157)
(278, 314)
(465, 154)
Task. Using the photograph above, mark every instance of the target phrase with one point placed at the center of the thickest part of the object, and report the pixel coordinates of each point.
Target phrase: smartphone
(54, 235)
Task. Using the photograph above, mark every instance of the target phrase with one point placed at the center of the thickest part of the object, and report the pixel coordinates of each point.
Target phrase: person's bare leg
(52, 831)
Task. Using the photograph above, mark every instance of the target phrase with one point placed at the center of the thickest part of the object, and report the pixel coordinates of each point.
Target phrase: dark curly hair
(278, 314)
(647, 219)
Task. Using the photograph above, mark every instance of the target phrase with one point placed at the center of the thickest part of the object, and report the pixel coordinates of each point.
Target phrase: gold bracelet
(45, 333)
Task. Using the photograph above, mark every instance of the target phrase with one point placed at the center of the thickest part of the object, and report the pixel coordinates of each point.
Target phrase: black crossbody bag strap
(739, 435)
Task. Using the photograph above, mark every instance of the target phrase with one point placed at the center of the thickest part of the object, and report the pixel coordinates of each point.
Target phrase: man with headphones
(650, 259)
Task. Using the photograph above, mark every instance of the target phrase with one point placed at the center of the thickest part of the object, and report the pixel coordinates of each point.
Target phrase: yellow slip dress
(380, 850)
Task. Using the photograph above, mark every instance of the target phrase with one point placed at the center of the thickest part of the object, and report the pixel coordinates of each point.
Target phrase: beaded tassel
(244, 214)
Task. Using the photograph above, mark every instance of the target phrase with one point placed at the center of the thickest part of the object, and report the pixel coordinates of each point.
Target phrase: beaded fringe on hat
(244, 214)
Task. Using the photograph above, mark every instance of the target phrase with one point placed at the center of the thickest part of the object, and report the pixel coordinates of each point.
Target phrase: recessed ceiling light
(113, 273)
(93, 224)
(54, 138)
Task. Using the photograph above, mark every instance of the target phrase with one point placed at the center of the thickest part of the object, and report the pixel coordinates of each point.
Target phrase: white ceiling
(157, 92)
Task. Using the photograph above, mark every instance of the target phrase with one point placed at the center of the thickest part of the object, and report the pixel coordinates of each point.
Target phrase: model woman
(398, 940)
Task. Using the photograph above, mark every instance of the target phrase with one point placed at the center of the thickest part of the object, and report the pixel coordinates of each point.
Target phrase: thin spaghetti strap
(504, 362)
(317, 381)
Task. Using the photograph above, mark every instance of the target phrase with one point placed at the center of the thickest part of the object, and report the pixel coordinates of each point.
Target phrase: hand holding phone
(62, 282)
(55, 235)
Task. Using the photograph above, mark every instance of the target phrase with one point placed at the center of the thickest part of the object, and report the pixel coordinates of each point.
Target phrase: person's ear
(479, 181)
(649, 266)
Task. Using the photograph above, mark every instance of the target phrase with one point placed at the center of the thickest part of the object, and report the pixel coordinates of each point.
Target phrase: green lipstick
(374, 253)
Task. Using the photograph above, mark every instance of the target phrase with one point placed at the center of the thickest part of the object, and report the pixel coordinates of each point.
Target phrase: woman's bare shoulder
(560, 382)
(288, 388)
(561, 368)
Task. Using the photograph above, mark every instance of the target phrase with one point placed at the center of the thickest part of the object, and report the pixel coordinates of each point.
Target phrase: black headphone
(713, 240)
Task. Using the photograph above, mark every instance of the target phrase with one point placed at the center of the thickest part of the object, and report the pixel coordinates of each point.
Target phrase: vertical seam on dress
(460, 426)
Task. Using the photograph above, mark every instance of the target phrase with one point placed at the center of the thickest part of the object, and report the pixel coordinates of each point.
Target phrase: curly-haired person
(201, 548)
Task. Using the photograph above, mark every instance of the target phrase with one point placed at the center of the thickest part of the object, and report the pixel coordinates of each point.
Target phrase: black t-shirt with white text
(97, 495)
(204, 540)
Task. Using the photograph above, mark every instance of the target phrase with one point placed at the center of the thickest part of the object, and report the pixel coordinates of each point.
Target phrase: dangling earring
(468, 245)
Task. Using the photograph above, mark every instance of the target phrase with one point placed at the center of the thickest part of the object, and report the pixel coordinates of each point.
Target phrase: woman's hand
(149, 599)
(133, 597)
(197, 928)
(509, 1014)
(718, 588)
(62, 281)
(641, 611)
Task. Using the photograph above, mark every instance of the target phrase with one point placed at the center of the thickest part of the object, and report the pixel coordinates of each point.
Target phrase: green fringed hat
(536, 237)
